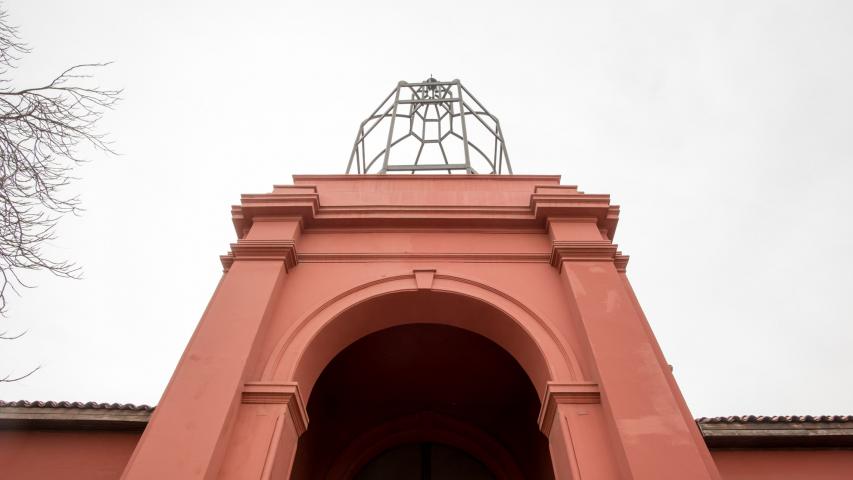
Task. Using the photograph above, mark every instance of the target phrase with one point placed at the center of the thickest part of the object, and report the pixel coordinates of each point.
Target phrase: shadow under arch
(314, 340)
(384, 402)
(421, 427)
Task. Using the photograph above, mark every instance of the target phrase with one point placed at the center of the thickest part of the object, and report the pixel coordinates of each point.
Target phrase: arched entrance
(424, 397)
(311, 343)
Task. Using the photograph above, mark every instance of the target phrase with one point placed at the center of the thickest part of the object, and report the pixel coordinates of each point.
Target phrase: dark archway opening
(425, 461)
(386, 396)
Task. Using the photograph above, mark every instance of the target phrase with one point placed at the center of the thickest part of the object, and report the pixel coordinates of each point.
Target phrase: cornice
(584, 251)
(421, 177)
(621, 262)
(770, 434)
(279, 186)
(261, 250)
(546, 201)
(573, 204)
(73, 418)
(302, 205)
(538, 230)
(565, 393)
(278, 394)
(437, 257)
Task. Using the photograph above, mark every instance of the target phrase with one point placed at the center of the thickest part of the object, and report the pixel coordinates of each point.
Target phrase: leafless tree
(41, 130)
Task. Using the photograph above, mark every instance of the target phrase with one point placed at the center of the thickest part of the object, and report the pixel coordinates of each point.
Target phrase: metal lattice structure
(430, 126)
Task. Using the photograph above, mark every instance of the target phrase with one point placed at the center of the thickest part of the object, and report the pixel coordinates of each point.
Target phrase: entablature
(544, 201)
(581, 225)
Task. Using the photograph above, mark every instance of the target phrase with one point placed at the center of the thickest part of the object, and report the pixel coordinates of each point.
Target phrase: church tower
(428, 315)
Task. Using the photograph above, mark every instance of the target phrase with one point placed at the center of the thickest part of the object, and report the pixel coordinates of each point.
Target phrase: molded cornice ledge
(546, 201)
(569, 203)
(306, 206)
(586, 251)
(283, 250)
(563, 393)
(279, 394)
(621, 262)
(300, 203)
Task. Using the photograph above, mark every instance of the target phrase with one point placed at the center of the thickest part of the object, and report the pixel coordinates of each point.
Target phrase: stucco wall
(784, 464)
(101, 455)
(64, 454)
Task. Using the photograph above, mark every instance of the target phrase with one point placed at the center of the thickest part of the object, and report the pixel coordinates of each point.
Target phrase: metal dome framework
(443, 117)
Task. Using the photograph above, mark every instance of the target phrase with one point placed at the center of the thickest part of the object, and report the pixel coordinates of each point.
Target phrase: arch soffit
(290, 351)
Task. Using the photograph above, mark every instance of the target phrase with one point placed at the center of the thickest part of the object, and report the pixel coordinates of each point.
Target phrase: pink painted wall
(102, 455)
(64, 454)
(520, 260)
(533, 261)
(784, 464)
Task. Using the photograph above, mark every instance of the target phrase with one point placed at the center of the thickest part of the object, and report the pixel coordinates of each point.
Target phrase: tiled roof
(24, 415)
(777, 419)
(82, 405)
(798, 431)
(747, 431)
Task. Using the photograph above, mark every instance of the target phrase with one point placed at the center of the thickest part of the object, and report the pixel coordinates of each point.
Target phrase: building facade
(422, 326)
(441, 327)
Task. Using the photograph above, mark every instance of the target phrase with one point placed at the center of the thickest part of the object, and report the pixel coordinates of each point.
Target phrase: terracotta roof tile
(81, 405)
(777, 419)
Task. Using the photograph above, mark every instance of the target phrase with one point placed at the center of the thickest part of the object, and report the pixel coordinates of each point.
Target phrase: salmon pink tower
(428, 315)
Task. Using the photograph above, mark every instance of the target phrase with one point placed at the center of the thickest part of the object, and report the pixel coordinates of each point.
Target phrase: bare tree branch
(41, 128)
(9, 378)
(6, 336)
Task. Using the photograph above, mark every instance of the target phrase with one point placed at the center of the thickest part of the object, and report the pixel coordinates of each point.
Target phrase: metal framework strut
(430, 126)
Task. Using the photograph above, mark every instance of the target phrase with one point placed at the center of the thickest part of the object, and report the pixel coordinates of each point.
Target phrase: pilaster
(574, 421)
(263, 443)
(643, 407)
(187, 435)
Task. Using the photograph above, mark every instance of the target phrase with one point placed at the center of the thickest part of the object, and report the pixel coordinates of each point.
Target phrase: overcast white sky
(724, 130)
